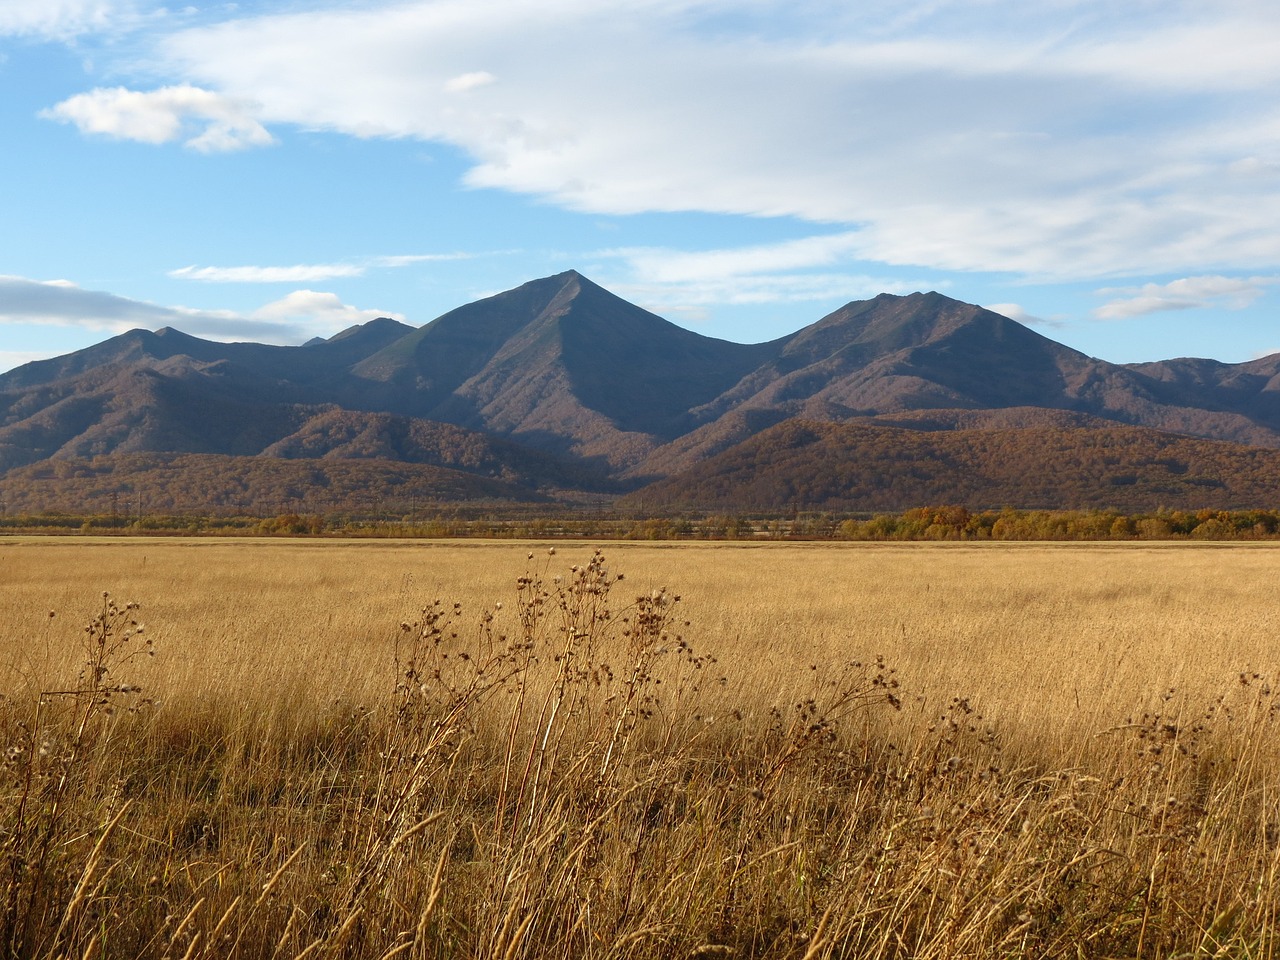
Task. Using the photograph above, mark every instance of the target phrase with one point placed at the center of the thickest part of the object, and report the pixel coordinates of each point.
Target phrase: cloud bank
(1076, 140)
(293, 319)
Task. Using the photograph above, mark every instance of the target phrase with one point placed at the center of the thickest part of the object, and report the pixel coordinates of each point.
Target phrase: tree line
(943, 522)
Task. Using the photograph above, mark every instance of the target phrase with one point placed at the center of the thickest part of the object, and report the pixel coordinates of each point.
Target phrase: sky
(275, 170)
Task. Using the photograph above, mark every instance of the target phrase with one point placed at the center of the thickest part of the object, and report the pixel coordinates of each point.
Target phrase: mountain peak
(378, 327)
(889, 322)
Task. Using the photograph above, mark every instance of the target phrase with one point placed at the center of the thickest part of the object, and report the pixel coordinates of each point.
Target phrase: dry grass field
(818, 750)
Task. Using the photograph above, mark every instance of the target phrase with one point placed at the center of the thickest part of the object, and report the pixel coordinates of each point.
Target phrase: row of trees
(957, 523)
(947, 522)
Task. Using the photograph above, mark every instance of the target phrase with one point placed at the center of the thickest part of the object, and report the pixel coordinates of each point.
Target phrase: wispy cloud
(409, 259)
(1230, 293)
(203, 120)
(295, 318)
(686, 282)
(665, 265)
(309, 272)
(300, 273)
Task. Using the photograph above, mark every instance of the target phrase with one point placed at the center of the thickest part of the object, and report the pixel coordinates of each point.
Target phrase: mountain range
(559, 390)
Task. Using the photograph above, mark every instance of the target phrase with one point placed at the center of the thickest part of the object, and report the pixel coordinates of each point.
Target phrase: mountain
(563, 365)
(559, 385)
(926, 351)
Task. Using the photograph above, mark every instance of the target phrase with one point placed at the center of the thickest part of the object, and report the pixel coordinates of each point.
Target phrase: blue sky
(275, 170)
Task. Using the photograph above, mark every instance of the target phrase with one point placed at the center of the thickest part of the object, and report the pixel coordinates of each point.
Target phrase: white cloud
(58, 19)
(1073, 139)
(308, 272)
(295, 318)
(204, 121)
(469, 81)
(300, 273)
(792, 271)
(315, 309)
(405, 260)
(678, 266)
(1140, 306)
(1230, 293)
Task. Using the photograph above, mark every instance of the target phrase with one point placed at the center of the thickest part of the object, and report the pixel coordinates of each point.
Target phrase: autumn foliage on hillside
(858, 466)
(206, 483)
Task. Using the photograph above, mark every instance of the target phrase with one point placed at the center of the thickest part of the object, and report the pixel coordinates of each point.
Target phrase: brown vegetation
(196, 484)
(1072, 758)
(856, 467)
(869, 466)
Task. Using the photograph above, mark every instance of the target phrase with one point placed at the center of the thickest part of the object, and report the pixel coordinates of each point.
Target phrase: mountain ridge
(572, 386)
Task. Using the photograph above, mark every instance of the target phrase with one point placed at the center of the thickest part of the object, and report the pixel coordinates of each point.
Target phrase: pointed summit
(562, 360)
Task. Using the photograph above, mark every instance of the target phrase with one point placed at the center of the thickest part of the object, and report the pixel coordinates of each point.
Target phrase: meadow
(433, 749)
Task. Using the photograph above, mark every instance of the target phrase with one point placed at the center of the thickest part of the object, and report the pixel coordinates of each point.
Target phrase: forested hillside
(862, 466)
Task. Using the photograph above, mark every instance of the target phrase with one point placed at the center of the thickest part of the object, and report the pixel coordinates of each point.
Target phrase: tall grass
(565, 771)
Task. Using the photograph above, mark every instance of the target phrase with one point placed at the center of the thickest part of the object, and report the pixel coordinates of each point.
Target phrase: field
(818, 750)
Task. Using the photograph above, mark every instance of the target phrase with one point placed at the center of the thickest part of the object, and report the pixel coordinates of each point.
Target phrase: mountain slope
(337, 434)
(192, 483)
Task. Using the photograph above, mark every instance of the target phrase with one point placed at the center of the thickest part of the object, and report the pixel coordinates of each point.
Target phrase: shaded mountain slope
(137, 409)
(338, 434)
(564, 365)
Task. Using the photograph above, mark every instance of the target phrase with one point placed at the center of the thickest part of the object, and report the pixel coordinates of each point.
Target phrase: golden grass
(1056, 755)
